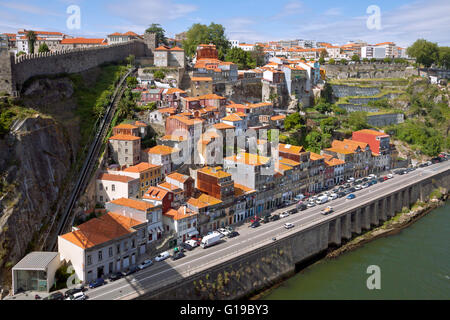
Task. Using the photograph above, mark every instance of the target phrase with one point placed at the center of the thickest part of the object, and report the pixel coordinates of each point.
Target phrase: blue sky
(334, 21)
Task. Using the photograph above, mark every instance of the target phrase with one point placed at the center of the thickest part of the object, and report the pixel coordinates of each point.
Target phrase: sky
(400, 21)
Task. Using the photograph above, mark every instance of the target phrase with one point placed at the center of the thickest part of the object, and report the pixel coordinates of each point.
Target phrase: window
(89, 260)
(100, 255)
(118, 248)
(100, 186)
(110, 251)
(150, 237)
(113, 187)
(101, 199)
(133, 243)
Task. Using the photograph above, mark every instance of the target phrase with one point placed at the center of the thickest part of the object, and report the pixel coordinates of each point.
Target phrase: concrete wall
(260, 267)
(368, 70)
(381, 120)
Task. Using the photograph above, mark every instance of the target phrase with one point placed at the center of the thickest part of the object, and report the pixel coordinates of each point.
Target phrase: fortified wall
(368, 70)
(15, 71)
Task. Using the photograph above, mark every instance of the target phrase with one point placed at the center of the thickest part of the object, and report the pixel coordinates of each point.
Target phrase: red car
(385, 178)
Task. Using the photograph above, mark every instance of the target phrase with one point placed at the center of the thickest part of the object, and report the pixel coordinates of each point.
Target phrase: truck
(322, 200)
(210, 240)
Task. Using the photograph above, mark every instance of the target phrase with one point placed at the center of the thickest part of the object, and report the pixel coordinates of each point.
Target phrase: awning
(192, 233)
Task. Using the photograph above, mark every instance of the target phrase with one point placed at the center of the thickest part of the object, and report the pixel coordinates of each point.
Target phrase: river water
(414, 264)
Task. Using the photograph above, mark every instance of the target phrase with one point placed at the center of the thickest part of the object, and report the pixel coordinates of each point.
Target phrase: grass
(88, 95)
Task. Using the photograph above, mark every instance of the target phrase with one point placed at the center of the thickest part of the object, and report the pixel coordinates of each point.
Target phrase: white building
(370, 52)
(234, 43)
(182, 221)
(246, 46)
(115, 186)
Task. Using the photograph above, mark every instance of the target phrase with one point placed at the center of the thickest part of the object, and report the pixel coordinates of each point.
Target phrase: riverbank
(393, 226)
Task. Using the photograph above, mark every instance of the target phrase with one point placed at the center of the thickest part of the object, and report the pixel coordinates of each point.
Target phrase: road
(165, 272)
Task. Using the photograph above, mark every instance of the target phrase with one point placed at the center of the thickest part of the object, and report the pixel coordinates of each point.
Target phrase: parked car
(351, 179)
(341, 194)
(372, 176)
(55, 296)
(255, 224)
(301, 206)
(233, 234)
(145, 264)
(381, 179)
(115, 276)
(130, 270)
(310, 204)
(266, 219)
(351, 196)
(192, 243)
(77, 296)
(293, 211)
(333, 196)
(223, 231)
(284, 214)
(162, 256)
(288, 225)
(366, 185)
(72, 291)
(352, 189)
(178, 255)
(96, 283)
(299, 197)
(390, 176)
(186, 246)
(275, 217)
(358, 187)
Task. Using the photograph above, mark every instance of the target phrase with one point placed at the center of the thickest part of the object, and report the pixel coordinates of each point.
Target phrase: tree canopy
(43, 48)
(31, 36)
(203, 34)
(242, 58)
(160, 33)
(425, 52)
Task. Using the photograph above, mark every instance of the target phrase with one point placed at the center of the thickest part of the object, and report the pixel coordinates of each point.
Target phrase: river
(414, 264)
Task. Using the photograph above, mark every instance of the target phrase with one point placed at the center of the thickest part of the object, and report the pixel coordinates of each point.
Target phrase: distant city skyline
(250, 21)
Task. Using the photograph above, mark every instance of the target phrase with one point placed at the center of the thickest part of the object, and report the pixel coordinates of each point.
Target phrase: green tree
(425, 52)
(132, 82)
(328, 125)
(315, 141)
(357, 120)
(159, 75)
(343, 61)
(160, 33)
(355, 58)
(31, 36)
(257, 55)
(323, 106)
(20, 53)
(293, 120)
(322, 56)
(387, 60)
(203, 34)
(444, 57)
(331, 61)
(240, 57)
(365, 60)
(43, 48)
(327, 93)
(373, 60)
(130, 59)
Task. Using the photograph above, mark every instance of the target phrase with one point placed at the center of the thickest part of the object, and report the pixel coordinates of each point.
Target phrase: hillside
(44, 136)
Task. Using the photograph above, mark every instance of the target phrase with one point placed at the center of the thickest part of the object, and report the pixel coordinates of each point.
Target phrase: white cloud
(145, 12)
(333, 12)
(289, 9)
(29, 9)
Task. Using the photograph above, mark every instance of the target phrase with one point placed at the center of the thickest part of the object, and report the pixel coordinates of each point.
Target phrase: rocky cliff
(35, 158)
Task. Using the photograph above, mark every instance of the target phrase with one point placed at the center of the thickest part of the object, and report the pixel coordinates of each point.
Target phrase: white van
(322, 200)
(210, 240)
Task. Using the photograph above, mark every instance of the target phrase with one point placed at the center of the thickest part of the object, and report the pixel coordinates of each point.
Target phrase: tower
(150, 41)
(6, 61)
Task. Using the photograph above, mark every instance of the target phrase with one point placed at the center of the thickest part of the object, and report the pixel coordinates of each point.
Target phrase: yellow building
(149, 175)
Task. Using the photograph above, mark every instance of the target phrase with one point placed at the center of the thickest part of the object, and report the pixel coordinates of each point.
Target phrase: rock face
(35, 158)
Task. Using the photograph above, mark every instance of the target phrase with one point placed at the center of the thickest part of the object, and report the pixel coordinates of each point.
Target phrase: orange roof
(209, 199)
(232, 117)
(173, 138)
(182, 213)
(82, 41)
(161, 149)
(223, 126)
(132, 203)
(215, 171)
(334, 162)
(174, 90)
(241, 114)
(211, 96)
(178, 176)
(100, 230)
(130, 33)
(141, 167)
(125, 126)
(186, 120)
(42, 32)
(171, 110)
(155, 193)
(339, 150)
(168, 186)
(140, 124)
(278, 117)
(176, 49)
(314, 156)
(288, 162)
(240, 189)
(114, 177)
(287, 148)
(249, 159)
(124, 137)
(373, 132)
(162, 48)
(201, 79)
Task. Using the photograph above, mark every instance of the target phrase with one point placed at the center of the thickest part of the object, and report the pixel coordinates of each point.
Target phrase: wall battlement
(15, 71)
